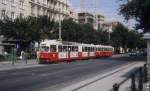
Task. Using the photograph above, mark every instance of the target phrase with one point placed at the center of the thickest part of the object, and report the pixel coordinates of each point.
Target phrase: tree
(82, 33)
(26, 30)
(123, 37)
(119, 37)
(138, 10)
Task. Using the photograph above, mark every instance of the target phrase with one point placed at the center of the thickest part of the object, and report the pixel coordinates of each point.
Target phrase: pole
(145, 73)
(109, 37)
(133, 88)
(60, 24)
(12, 56)
(96, 14)
(81, 5)
(140, 85)
(148, 59)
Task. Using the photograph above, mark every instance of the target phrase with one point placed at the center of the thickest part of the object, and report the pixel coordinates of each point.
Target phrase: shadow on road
(128, 58)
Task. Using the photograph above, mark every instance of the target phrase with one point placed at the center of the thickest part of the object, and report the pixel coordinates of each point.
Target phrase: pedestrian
(37, 56)
(22, 56)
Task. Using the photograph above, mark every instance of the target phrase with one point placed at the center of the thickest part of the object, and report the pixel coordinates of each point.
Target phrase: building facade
(109, 26)
(85, 18)
(95, 20)
(56, 9)
(13, 8)
(73, 15)
(98, 21)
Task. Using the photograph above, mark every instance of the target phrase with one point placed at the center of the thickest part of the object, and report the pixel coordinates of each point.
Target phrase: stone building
(21, 8)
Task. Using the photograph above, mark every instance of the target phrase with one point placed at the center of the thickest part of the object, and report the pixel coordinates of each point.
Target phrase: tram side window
(64, 48)
(44, 48)
(76, 48)
(86, 49)
(102, 49)
(110, 49)
(60, 48)
(93, 49)
(72, 48)
(53, 48)
(99, 49)
(96, 49)
(106, 49)
(83, 49)
(69, 48)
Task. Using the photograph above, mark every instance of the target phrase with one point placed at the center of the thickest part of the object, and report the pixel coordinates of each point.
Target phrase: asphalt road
(56, 76)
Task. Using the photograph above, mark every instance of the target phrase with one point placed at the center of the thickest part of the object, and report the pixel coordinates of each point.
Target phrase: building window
(32, 9)
(38, 11)
(12, 15)
(21, 3)
(21, 15)
(3, 1)
(3, 14)
(12, 1)
(38, 1)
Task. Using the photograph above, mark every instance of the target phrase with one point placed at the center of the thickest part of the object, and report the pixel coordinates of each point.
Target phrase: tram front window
(53, 48)
(44, 48)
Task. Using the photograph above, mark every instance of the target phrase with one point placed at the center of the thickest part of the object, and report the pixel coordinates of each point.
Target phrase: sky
(108, 8)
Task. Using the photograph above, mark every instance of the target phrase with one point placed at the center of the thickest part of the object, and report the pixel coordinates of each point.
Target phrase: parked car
(133, 53)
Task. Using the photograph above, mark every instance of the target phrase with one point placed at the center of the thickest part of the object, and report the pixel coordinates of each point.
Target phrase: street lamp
(59, 24)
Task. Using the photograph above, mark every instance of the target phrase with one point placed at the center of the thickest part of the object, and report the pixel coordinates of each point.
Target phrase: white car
(133, 53)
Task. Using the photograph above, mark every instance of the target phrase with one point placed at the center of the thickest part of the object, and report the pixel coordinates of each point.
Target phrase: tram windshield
(44, 48)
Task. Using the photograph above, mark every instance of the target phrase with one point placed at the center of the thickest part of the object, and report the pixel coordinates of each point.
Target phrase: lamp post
(59, 24)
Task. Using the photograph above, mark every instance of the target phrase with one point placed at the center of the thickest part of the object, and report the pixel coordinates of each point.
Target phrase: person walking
(22, 56)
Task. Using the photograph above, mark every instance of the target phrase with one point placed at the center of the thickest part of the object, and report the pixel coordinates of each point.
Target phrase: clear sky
(108, 8)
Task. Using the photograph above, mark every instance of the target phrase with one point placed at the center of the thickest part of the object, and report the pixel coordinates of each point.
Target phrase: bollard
(145, 73)
(12, 57)
(133, 88)
(116, 87)
(26, 57)
(140, 85)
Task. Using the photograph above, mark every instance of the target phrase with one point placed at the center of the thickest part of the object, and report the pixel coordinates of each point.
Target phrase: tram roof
(57, 42)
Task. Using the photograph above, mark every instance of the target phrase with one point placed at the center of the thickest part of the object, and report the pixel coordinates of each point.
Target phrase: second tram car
(56, 51)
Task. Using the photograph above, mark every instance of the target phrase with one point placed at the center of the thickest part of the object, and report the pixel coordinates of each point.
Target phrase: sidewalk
(7, 65)
(104, 82)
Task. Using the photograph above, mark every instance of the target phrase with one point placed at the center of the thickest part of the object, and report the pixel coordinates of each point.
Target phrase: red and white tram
(55, 51)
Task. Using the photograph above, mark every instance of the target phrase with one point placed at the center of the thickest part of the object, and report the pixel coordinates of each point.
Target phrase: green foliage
(119, 36)
(26, 30)
(138, 10)
(72, 31)
(123, 37)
